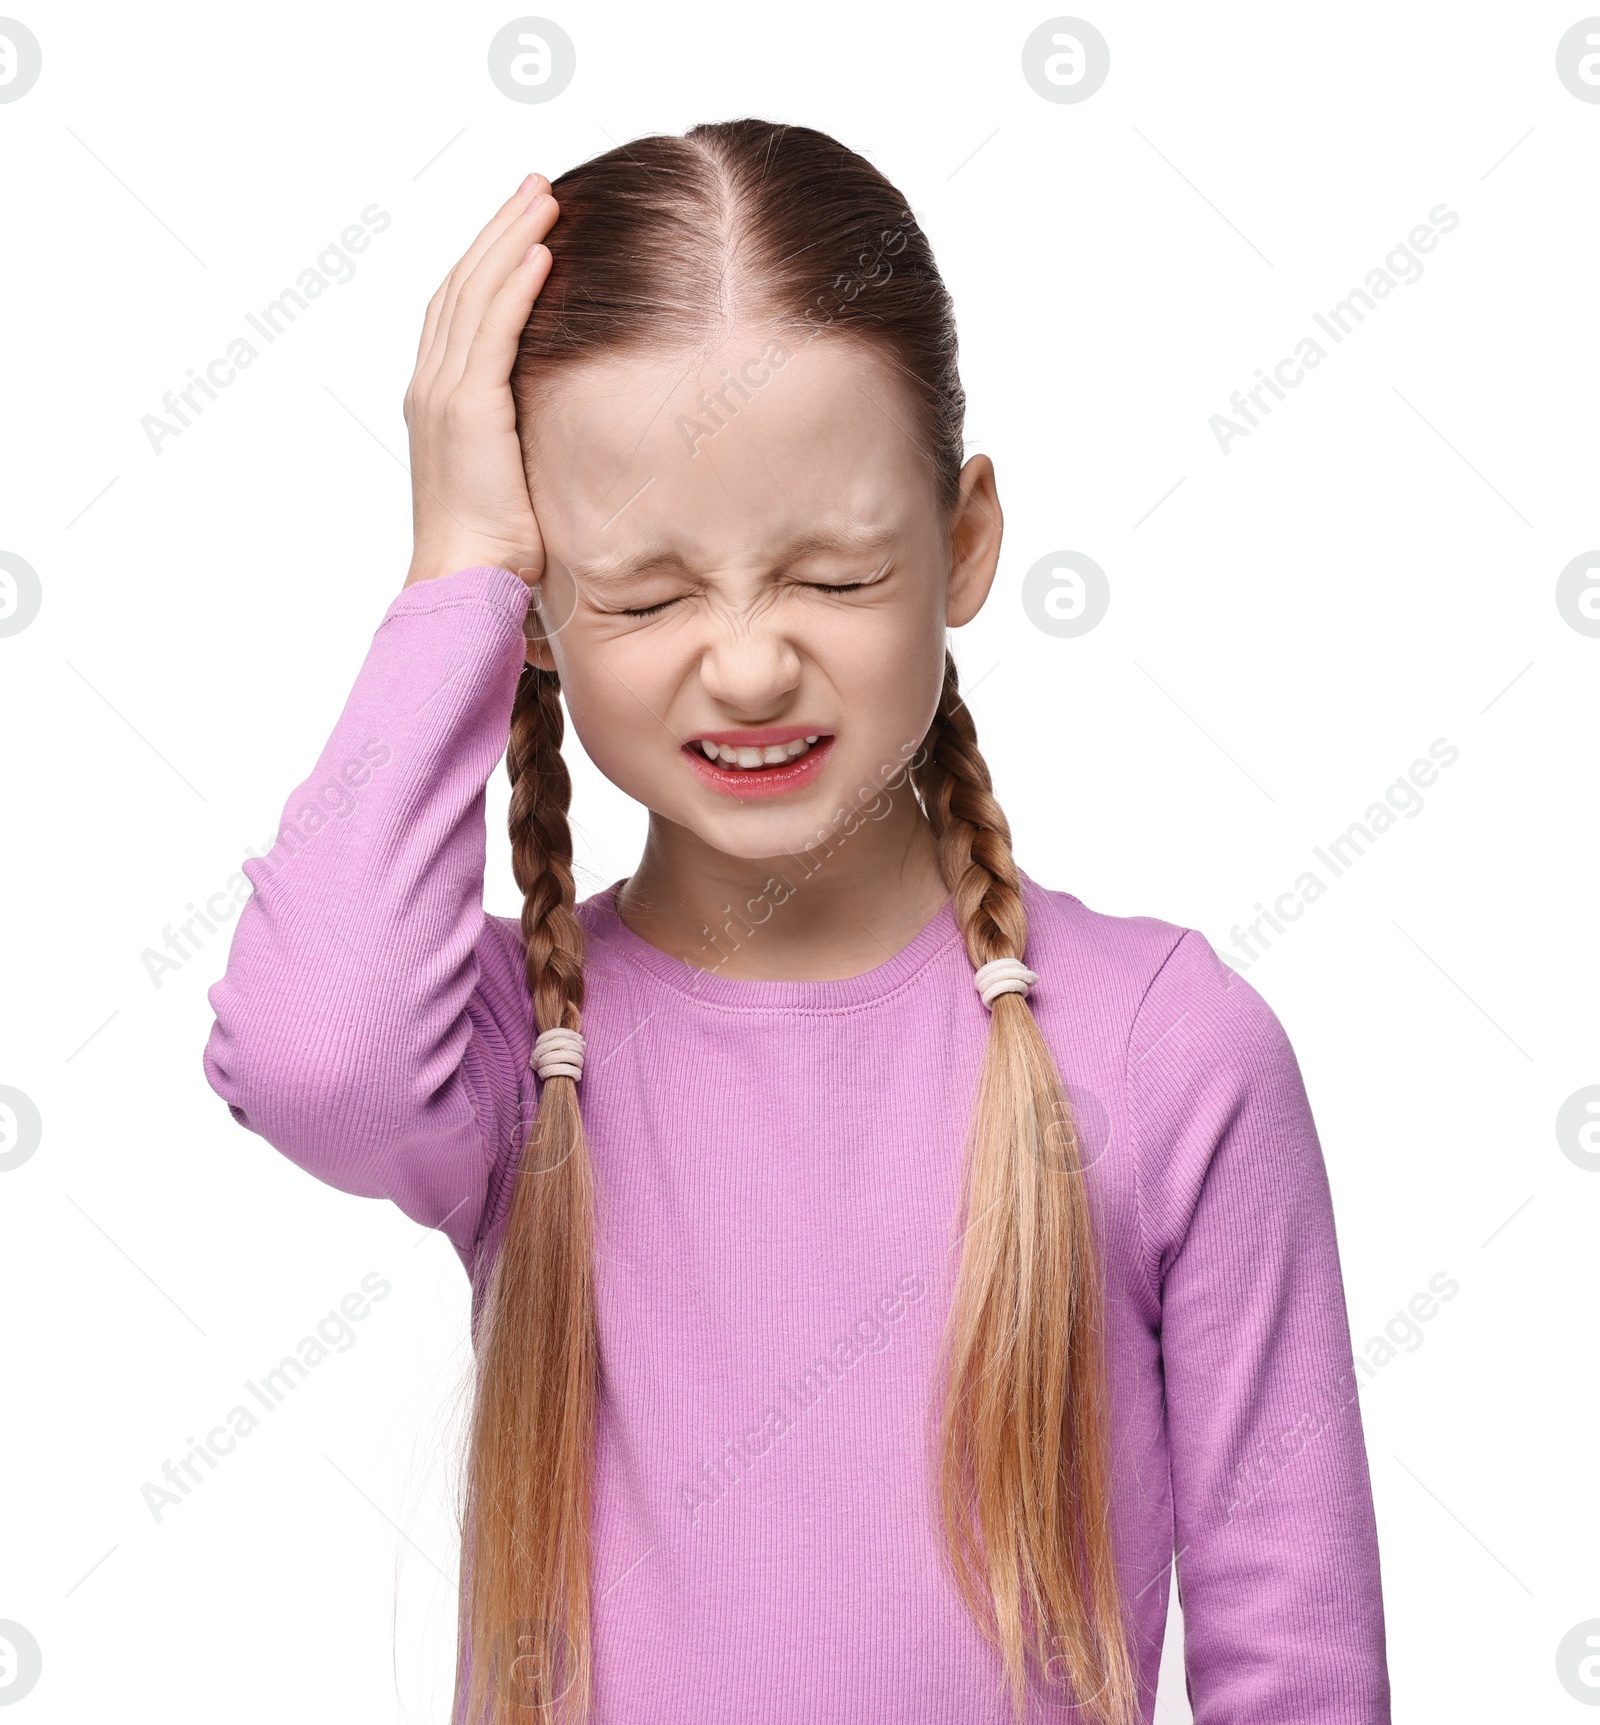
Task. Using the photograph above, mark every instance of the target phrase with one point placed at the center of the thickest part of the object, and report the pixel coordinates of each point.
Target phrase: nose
(750, 666)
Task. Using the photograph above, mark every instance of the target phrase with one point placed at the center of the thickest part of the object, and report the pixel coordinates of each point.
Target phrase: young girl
(881, 1264)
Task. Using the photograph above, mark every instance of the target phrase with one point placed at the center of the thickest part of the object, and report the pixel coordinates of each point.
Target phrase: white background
(1372, 568)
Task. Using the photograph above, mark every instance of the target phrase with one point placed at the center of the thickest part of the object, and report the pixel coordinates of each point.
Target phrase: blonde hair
(1024, 1439)
(1020, 1411)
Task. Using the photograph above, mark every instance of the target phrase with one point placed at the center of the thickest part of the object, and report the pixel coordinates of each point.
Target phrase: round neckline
(762, 993)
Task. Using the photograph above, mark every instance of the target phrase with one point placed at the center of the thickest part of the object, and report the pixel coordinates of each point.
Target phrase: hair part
(672, 241)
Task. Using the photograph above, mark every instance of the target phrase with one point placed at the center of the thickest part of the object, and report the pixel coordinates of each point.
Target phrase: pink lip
(747, 783)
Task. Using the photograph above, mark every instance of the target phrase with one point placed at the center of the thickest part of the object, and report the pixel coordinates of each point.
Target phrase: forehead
(760, 443)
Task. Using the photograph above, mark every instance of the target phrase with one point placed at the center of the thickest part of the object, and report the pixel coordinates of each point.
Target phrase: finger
(430, 322)
(489, 275)
(534, 185)
(439, 305)
(493, 349)
(506, 255)
(506, 217)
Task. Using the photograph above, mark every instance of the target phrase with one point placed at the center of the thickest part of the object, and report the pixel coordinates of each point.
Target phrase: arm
(1278, 1572)
(369, 1024)
(372, 1024)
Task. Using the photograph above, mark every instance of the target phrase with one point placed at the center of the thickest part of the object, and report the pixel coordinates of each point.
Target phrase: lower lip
(748, 783)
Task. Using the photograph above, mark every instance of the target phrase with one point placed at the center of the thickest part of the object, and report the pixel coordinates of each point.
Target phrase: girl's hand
(469, 494)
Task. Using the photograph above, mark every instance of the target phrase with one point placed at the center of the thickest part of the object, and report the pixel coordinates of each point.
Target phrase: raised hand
(469, 494)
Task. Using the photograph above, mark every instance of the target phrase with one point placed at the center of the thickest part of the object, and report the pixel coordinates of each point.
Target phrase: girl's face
(745, 556)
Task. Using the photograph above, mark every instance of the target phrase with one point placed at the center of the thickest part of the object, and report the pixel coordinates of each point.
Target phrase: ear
(976, 525)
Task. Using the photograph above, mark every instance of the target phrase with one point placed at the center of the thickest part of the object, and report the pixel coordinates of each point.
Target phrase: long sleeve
(1278, 1572)
(372, 1022)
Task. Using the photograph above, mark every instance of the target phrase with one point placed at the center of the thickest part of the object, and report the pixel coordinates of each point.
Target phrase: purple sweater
(778, 1168)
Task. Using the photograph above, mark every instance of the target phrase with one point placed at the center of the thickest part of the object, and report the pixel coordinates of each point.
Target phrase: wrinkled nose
(750, 666)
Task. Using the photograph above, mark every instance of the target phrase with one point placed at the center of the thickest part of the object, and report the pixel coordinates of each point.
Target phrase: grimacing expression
(745, 568)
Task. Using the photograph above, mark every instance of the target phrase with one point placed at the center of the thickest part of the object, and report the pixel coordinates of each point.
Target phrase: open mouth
(747, 767)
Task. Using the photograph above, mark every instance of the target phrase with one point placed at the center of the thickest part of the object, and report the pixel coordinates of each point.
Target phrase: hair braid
(1023, 1448)
(541, 850)
(973, 835)
(526, 1603)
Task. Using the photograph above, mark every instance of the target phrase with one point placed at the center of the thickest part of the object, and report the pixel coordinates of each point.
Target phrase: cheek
(887, 667)
(614, 690)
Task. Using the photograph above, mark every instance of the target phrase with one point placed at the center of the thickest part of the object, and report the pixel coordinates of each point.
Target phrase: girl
(881, 1264)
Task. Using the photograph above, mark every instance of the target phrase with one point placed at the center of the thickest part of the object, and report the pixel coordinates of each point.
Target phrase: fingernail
(527, 256)
(525, 184)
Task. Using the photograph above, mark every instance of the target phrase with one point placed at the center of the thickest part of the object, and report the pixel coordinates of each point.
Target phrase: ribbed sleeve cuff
(488, 584)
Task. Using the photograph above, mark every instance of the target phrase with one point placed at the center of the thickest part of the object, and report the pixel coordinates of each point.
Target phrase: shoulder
(502, 956)
(1115, 955)
(1199, 1069)
(1150, 975)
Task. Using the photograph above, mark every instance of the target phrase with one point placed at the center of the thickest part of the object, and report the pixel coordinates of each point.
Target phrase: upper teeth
(774, 755)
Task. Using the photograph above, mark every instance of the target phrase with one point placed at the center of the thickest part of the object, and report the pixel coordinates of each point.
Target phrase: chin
(755, 841)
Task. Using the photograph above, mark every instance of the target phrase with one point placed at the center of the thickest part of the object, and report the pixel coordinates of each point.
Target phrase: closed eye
(815, 586)
(872, 579)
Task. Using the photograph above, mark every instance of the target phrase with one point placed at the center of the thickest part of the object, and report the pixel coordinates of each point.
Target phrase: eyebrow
(611, 571)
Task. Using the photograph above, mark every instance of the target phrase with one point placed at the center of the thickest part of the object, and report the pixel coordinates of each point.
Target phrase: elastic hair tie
(557, 1053)
(1002, 976)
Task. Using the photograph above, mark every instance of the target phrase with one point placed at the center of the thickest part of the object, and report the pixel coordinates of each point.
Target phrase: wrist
(433, 563)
